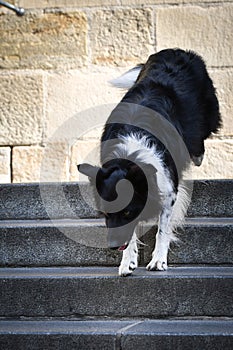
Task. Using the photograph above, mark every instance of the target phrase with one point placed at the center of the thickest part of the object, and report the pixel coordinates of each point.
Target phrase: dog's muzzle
(119, 237)
(121, 248)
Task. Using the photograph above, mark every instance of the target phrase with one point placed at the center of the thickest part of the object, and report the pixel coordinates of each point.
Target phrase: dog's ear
(88, 170)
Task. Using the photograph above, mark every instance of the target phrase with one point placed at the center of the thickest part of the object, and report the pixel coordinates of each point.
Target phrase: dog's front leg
(129, 260)
(163, 238)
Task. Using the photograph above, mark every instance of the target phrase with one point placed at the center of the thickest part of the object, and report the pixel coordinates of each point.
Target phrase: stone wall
(56, 62)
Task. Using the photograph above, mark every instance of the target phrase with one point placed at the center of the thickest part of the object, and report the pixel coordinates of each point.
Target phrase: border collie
(171, 89)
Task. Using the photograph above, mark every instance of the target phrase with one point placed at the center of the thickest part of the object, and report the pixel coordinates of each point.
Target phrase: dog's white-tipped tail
(126, 80)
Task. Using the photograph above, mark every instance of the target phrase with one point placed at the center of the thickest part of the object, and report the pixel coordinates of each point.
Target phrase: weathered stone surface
(84, 243)
(99, 291)
(179, 334)
(84, 151)
(5, 164)
(201, 241)
(73, 200)
(69, 94)
(35, 163)
(55, 162)
(205, 30)
(223, 81)
(43, 40)
(217, 162)
(44, 201)
(66, 3)
(213, 334)
(26, 163)
(98, 3)
(120, 36)
(21, 120)
(212, 198)
(78, 243)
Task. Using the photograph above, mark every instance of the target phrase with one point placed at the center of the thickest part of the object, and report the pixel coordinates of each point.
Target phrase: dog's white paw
(126, 269)
(129, 262)
(158, 265)
(159, 259)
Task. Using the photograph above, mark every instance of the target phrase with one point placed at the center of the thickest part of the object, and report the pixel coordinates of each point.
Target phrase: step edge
(122, 327)
(194, 221)
(100, 272)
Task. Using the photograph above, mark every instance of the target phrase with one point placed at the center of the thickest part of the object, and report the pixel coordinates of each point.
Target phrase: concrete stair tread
(99, 291)
(70, 200)
(181, 271)
(57, 222)
(82, 242)
(211, 334)
(203, 221)
(191, 326)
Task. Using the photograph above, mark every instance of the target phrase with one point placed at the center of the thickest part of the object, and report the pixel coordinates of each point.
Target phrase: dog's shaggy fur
(175, 85)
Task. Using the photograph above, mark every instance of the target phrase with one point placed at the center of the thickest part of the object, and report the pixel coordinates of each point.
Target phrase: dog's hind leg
(129, 260)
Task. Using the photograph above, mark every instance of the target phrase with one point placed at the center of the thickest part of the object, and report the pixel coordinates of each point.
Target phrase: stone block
(23, 201)
(48, 200)
(65, 334)
(78, 243)
(21, 109)
(108, 334)
(217, 162)
(5, 164)
(66, 3)
(121, 36)
(179, 334)
(223, 81)
(84, 242)
(27, 163)
(98, 3)
(211, 198)
(84, 151)
(99, 292)
(206, 30)
(94, 134)
(69, 94)
(201, 241)
(43, 40)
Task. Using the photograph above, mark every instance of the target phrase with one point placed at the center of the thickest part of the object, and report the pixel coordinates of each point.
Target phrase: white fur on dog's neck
(150, 155)
(147, 155)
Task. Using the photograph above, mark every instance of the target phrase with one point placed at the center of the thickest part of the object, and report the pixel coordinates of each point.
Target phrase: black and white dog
(175, 86)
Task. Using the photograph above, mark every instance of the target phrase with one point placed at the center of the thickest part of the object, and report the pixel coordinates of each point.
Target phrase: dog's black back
(174, 83)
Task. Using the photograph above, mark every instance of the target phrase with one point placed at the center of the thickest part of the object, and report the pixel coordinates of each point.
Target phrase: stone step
(83, 242)
(214, 334)
(201, 241)
(55, 243)
(98, 291)
(42, 201)
(74, 200)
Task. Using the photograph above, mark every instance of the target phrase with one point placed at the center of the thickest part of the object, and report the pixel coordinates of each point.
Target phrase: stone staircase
(57, 293)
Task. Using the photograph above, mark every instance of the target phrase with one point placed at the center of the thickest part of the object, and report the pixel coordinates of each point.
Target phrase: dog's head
(124, 203)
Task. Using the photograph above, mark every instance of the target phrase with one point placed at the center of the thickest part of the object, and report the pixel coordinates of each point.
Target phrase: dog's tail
(128, 79)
